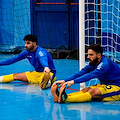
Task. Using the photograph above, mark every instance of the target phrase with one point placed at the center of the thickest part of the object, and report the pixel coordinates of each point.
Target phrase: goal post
(81, 37)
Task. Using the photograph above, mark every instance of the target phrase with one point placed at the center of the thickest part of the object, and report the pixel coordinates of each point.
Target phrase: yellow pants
(33, 77)
(109, 92)
(36, 77)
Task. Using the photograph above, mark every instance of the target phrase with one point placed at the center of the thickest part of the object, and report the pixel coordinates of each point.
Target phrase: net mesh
(14, 23)
(102, 25)
(54, 22)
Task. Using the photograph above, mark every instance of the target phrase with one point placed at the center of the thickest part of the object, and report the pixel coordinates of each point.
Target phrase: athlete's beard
(94, 62)
(30, 49)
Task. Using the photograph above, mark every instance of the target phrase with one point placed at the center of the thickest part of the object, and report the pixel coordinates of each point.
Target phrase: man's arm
(42, 56)
(69, 81)
(99, 71)
(85, 70)
(14, 59)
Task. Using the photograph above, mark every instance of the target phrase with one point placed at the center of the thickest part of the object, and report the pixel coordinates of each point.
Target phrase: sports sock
(53, 80)
(85, 97)
(75, 93)
(53, 77)
(6, 78)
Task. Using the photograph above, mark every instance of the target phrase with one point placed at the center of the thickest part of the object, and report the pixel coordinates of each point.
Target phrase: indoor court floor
(23, 101)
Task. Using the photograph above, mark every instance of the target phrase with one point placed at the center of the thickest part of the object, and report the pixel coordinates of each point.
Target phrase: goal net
(102, 25)
(54, 22)
(14, 24)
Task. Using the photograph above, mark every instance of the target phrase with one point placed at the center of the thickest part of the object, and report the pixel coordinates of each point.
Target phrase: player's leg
(20, 77)
(78, 97)
(6, 78)
(13, 77)
(81, 91)
(108, 92)
(55, 93)
(111, 93)
(41, 78)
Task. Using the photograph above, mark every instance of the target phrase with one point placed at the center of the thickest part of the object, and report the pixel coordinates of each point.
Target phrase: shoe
(62, 95)
(53, 80)
(48, 85)
(45, 81)
(55, 93)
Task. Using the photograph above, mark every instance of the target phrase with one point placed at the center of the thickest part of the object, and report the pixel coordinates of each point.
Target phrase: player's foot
(45, 81)
(62, 95)
(55, 93)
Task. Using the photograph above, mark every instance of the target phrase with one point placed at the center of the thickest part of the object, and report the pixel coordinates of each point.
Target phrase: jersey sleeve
(84, 70)
(100, 70)
(42, 56)
(12, 60)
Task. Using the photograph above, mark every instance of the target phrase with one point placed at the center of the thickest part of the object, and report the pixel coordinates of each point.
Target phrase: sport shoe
(48, 85)
(45, 81)
(53, 80)
(62, 95)
(55, 93)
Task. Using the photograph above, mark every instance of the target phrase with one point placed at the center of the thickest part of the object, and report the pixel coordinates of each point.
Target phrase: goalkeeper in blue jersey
(107, 72)
(39, 58)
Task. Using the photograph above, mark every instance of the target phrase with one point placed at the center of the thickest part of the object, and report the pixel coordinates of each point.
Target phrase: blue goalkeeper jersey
(39, 59)
(107, 71)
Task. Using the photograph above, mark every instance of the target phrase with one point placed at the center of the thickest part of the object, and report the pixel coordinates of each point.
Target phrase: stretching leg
(13, 77)
(87, 95)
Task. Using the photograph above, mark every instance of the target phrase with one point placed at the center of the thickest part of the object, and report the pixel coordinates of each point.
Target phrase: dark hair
(96, 48)
(29, 37)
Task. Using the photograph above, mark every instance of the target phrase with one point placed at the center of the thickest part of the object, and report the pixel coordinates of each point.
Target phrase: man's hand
(46, 70)
(61, 82)
(68, 84)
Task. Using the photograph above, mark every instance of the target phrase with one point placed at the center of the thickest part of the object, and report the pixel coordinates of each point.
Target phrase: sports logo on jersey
(40, 53)
(29, 56)
(99, 66)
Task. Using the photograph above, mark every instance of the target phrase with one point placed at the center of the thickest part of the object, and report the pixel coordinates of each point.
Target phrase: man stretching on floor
(39, 58)
(99, 67)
